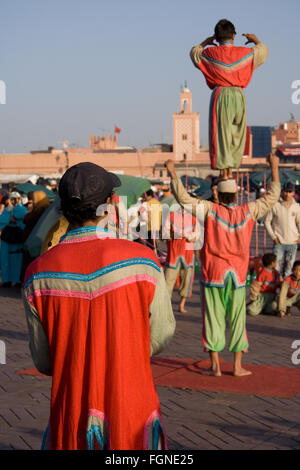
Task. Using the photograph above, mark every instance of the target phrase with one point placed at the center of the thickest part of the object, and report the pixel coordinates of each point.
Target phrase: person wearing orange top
(227, 69)
(290, 292)
(97, 308)
(184, 231)
(224, 263)
(263, 290)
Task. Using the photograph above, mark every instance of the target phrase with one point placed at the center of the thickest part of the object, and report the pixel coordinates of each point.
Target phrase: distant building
(289, 153)
(109, 142)
(185, 150)
(186, 129)
(288, 132)
(261, 141)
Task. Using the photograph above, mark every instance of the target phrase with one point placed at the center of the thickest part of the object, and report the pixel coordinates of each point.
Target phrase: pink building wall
(186, 130)
(139, 163)
(136, 164)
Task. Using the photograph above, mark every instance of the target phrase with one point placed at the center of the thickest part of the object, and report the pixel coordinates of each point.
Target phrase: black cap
(87, 182)
(288, 187)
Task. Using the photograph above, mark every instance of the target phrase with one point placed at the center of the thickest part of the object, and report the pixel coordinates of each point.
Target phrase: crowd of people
(98, 302)
(18, 216)
(98, 299)
(175, 236)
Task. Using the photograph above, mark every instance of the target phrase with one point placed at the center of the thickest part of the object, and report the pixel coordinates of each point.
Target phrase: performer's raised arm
(181, 195)
(264, 204)
(260, 50)
(196, 51)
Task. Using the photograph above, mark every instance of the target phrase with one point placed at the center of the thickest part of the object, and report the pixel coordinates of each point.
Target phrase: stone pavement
(193, 420)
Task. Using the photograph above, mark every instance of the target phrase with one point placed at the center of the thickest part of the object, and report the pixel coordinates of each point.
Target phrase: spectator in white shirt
(283, 226)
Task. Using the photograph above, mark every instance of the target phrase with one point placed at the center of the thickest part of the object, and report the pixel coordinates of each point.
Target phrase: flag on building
(117, 130)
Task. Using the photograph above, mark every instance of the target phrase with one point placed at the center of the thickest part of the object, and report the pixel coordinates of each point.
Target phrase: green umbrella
(202, 185)
(257, 179)
(292, 176)
(132, 187)
(26, 188)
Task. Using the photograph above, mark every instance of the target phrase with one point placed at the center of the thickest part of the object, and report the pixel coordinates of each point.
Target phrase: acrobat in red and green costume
(228, 70)
(224, 259)
(184, 231)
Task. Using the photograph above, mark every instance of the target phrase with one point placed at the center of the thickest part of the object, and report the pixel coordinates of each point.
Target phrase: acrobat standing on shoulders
(227, 69)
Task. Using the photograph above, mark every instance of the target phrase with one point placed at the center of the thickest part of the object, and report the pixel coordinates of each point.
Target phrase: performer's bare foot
(241, 372)
(214, 370)
(281, 314)
(181, 305)
(182, 310)
(212, 373)
(229, 174)
(238, 370)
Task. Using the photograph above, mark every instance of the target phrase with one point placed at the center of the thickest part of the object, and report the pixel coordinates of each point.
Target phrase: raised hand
(251, 38)
(169, 164)
(210, 41)
(273, 160)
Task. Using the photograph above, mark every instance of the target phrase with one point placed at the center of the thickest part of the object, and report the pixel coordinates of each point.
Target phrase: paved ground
(193, 420)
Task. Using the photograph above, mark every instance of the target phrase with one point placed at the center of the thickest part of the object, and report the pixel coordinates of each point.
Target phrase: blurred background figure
(40, 203)
(184, 231)
(283, 226)
(214, 190)
(11, 221)
(152, 212)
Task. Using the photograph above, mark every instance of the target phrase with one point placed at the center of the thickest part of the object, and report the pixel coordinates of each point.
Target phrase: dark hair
(77, 212)
(214, 182)
(268, 259)
(227, 198)
(149, 192)
(224, 30)
(296, 264)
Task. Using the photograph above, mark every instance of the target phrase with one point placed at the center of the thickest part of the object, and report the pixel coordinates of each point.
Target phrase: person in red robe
(224, 262)
(184, 231)
(228, 70)
(97, 308)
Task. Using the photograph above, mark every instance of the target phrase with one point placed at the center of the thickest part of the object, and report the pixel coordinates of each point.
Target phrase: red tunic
(95, 313)
(294, 285)
(179, 248)
(226, 247)
(227, 65)
(269, 279)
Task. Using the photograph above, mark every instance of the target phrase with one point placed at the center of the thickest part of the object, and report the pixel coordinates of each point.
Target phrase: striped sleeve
(190, 203)
(260, 54)
(264, 204)
(162, 321)
(38, 342)
(195, 55)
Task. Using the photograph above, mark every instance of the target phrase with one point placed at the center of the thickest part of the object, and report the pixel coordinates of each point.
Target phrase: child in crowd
(290, 292)
(263, 290)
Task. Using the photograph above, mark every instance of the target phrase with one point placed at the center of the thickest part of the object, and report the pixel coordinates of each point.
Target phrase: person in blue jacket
(11, 253)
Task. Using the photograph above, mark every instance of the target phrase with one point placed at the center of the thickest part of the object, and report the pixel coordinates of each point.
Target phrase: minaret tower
(186, 129)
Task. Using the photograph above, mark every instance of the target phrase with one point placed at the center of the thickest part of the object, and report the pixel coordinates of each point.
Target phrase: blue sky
(78, 67)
